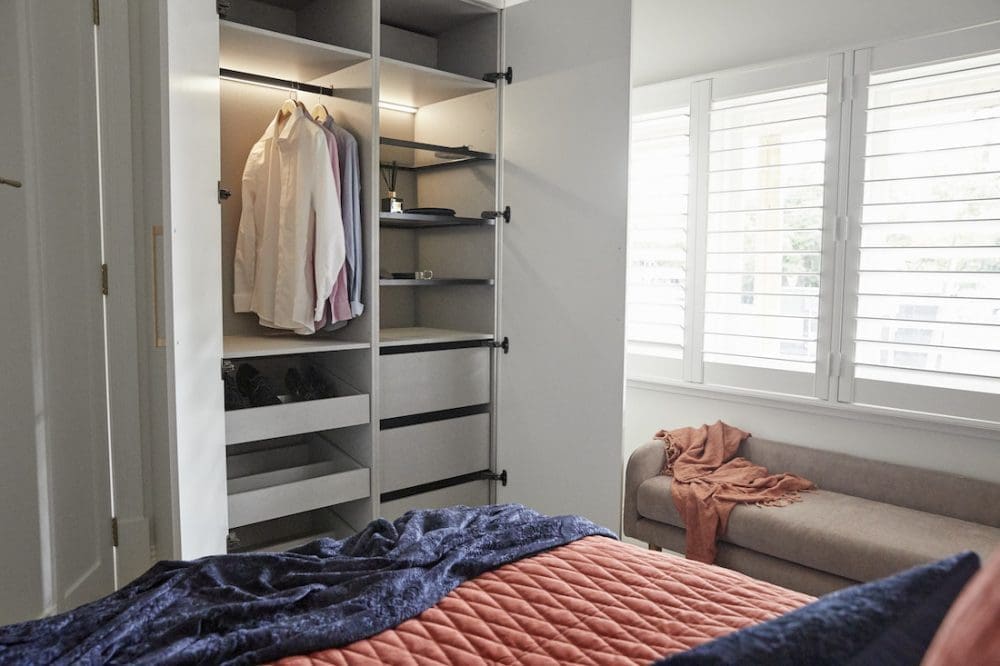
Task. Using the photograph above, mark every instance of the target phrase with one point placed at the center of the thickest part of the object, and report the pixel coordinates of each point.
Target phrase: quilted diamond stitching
(594, 601)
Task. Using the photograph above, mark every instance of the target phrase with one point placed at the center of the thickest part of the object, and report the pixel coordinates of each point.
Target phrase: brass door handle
(8, 181)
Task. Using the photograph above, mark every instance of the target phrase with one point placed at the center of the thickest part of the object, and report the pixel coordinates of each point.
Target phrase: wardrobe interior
(407, 420)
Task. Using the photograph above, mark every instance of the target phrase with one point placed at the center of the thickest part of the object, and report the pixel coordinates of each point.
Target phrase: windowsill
(885, 415)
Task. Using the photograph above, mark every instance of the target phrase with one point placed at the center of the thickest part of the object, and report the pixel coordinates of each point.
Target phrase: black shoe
(317, 382)
(256, 387)
(298, 387)
(234, 399)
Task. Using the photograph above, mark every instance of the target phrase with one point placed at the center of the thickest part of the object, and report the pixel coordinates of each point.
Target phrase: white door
(565, 147)
(56, 478)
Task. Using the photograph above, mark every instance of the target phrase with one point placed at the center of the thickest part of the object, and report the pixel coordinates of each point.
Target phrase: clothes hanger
(289, 105)
(320, 113)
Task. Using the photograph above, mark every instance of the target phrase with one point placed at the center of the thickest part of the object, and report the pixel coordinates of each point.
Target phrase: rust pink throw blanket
(709, 481)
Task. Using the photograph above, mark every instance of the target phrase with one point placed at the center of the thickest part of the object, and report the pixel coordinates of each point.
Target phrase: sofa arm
(644, 463)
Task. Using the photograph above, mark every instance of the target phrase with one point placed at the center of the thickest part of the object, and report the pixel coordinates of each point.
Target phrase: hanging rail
(272, 82)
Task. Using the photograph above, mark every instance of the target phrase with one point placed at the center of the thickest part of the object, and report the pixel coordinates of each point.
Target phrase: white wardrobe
(499, 379)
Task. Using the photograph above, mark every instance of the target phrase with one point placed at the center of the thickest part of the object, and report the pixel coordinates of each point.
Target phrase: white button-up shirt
(290, 247)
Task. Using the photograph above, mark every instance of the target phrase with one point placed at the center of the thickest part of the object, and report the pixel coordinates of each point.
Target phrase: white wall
(679, 38)
(673, 39)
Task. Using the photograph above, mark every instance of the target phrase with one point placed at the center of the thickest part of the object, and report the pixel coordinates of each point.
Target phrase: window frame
(834, 383)
(800, 72)
(932, 49)
(667, 97)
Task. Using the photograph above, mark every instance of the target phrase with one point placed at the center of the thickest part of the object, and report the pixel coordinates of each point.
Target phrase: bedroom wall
(672, 39)
(676, 39)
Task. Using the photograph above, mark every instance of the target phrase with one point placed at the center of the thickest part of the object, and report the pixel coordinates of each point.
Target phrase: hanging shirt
(338, 313)
(290, 245)
(350, 209)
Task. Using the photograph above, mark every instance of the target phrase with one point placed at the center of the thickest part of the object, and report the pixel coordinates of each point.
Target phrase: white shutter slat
(982, 106)
(926, 71)
(930, 309)
(766, 220)
(790, 153)
(770, 135)
(928, 304)
(934, 138)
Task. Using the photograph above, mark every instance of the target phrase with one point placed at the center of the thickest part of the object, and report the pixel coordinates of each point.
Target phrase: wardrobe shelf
(249, 346)
(416, 155)
(257, 51)
(435, 282)
(434, 16)
(273, 483)
(295, 418)
(419, 335)
(417, 86)
(420, 221)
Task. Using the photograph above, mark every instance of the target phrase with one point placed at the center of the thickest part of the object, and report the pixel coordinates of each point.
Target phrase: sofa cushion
(656, 503)
(928, 490)
(848, 536)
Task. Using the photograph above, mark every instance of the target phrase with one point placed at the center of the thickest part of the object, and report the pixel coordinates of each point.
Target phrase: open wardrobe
(362, 302)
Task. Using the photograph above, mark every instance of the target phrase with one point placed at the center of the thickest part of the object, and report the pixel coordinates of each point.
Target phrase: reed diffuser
(391, 203)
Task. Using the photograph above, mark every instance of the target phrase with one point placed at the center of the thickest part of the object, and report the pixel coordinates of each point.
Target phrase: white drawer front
(310, 476)
(294, 418)
(474, 493)
(427, 452)
(420, 382)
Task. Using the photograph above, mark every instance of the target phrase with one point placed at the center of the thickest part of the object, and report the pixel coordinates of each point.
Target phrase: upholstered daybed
(867, 519)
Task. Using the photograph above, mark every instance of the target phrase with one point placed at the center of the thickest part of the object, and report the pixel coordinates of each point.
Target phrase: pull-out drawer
(349, 408)
(418, 454)
(275, 482)
(474, 493)
(431, 381)
(289, 532)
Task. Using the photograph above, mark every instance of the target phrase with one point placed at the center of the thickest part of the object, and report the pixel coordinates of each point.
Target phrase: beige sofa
(868, 519)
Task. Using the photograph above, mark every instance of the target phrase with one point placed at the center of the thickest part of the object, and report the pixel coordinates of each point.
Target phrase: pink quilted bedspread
(594, 601)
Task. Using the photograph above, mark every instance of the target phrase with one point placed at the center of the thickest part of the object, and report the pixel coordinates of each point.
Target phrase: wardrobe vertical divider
(436, 396)
(297, 482)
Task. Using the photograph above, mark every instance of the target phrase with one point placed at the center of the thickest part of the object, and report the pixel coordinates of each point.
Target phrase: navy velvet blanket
(249, 608)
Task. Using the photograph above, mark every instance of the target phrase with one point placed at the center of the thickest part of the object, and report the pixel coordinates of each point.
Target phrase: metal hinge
(494, 214)
(114, 531)
(503, 344)
(836, 360)
(493, 476)
(96, 4)
(223, 192)
(493, 77)
(104, 279)
(840, 230)
(847, 88)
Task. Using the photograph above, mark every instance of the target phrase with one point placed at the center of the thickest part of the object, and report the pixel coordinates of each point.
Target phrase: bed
(592, 601)
(465, 585)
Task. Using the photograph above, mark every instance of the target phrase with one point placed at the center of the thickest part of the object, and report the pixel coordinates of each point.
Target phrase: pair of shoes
(256, 387)
(234, 399)
(309, 385)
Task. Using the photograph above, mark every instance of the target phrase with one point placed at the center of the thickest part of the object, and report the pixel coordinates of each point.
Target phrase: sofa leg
(656, 548)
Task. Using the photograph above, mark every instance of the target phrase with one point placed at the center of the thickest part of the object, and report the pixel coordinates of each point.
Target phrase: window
(658, 204)
(928, 296)
(827, 228)
(764, 229)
